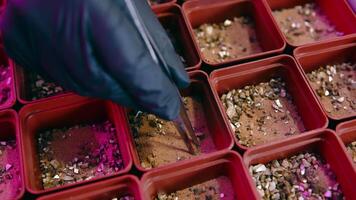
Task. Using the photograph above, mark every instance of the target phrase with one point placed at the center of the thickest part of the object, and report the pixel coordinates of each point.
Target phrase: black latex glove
(93, 48)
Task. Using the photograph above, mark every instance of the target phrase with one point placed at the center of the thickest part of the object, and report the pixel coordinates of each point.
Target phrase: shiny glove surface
(93, 47)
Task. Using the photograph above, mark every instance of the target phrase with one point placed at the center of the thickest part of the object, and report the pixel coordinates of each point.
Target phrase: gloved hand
(92, 47)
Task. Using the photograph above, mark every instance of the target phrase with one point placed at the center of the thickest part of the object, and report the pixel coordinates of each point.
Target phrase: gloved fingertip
(172, 111)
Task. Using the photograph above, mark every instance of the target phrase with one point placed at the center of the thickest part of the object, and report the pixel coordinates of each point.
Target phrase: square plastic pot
(23, 90)
(102, 190)
(312, 57)
(337, 12)
(224, 80)
(171, 18)
(347, 132)
(165, 3)
(323, 142)
(10, 131)
(64, 112)
(218, 131)
(209, 11)
(310, 48)
(9, 82)
(181, 176)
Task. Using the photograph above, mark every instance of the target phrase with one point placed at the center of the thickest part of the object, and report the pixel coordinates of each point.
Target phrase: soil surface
(228, 40)
(5, 84)
(10, 174)
(262, 113)
(40, 88)
(303, 176)
(351, 149)
(158, 142)
(220, 188)
(304, 24)
(90, 151)
(336, 88)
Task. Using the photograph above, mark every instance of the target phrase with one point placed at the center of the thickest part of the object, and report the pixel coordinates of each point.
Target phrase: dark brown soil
(304, 24)
(40, 88)
(78, 153)
(158, 142)
(303, 176)
(262, 113)
(336, 88)
(228, 40)
(10, 174)
(216, 189)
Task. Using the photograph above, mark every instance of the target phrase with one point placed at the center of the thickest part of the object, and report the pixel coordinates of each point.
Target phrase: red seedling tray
(238, 76)
(4, 60)
(312, 57)
(323, 142)
(103, 190)
(209, 11)
(65, 111)
(217, 129)
(171, 17)
(337, 11)
(309, 48)
(166, 3)
(10, 131)
(22, 89)
(185, 175)
(347, 132)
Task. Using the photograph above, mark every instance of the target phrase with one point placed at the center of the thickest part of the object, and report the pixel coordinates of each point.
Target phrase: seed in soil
(41, 88)
(219, 188)
(90, 151)
(304, 24)
(302, 176)
(158, 142)
(262, 113)
(336, 88)
(124, 198)
(5, 84)
(10, 175)
(225, 41)
(351, 149)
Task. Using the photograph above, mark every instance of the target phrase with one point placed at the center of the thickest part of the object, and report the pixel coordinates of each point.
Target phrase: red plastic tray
(171, 17)
(238, 76)
(312, 57)
(22, 90)
(166, 3)
(60, 112)
(347, 132)
(337, 11)
(220, 134)
(4, 60)
(185, 175)
(10, 130)
(103, 190)
(324, 142)
(210, 11)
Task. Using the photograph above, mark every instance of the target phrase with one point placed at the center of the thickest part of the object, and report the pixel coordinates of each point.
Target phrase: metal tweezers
(182, 123)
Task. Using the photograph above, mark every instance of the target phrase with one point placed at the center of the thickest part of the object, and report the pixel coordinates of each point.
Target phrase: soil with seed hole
(262, 113)
(228, 40)
(302, 176)
(336, 88)
(304, 24)
(10, 174)
(158, 142)
(90, 151)
(219, 188)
